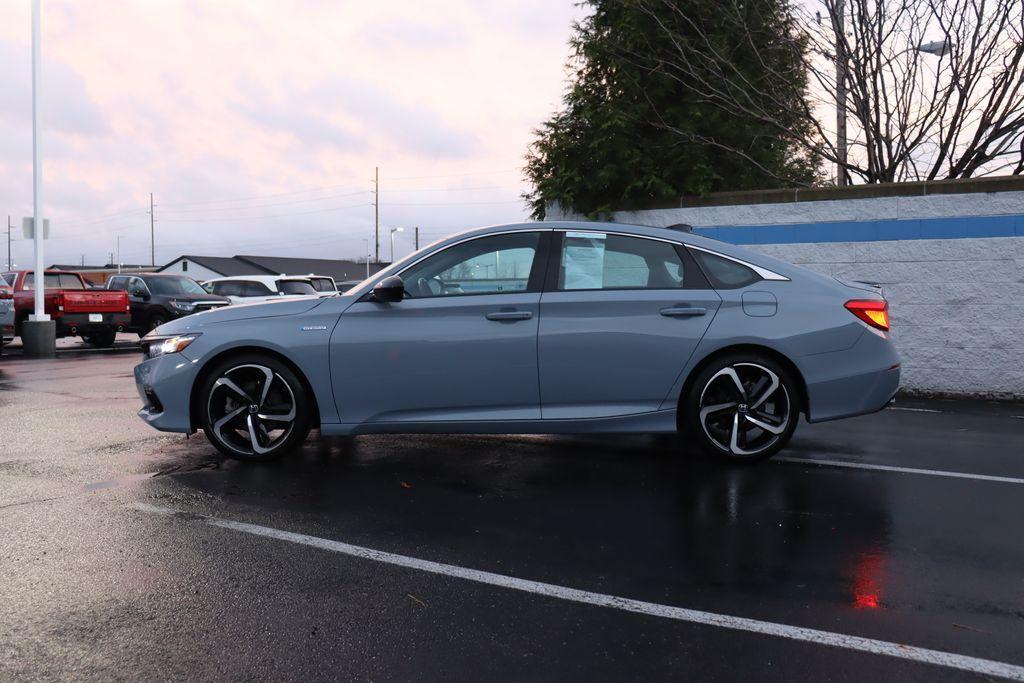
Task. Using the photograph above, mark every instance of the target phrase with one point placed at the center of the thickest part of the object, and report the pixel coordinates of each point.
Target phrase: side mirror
(389, 290)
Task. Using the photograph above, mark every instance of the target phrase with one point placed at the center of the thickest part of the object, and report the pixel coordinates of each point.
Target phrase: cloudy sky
(257, 124)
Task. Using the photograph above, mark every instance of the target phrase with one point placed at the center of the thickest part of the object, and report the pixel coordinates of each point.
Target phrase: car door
(619, 318)
(461, 345)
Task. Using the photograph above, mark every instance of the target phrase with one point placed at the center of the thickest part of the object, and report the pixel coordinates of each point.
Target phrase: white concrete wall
(957, 304)
(883, 208)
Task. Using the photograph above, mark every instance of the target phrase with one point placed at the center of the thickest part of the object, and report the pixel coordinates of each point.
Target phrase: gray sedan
(535, 328)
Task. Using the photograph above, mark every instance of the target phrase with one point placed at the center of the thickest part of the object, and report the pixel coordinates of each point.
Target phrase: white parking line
(904, 470)
(799, 633)
(915, 410)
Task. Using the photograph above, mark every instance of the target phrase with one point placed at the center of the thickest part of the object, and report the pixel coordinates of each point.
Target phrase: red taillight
(871, 311)
(4, 294)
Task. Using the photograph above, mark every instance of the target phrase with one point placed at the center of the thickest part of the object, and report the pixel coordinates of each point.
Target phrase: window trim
(764, 273)
(693, 276)
(534, 281)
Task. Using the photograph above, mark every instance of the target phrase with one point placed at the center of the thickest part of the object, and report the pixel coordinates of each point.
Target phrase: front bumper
(165, 384)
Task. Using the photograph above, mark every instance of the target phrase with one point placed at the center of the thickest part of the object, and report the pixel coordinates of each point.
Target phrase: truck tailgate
(94, 301)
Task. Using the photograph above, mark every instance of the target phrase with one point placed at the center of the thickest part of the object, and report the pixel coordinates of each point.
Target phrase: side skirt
(658, 422)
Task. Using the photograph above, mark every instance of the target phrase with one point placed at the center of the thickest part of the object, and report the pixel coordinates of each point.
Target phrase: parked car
(535, 328)
(159, 297)
(347, 285)
(94, 315)
(6, 312)
(323, 284)
(244, 289)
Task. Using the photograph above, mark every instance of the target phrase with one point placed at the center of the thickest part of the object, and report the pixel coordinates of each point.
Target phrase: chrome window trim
(763, 272)
(621, 234)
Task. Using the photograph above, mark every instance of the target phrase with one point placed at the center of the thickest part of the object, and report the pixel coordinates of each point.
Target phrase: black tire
(747, 426)
(102, 338)
(156, 321)
(232, 425)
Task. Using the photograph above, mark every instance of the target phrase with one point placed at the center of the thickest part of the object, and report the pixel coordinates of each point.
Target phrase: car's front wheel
(254, 407)
(742, 408)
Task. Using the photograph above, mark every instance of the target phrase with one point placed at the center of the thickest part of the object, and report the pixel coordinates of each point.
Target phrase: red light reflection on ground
(867, 577)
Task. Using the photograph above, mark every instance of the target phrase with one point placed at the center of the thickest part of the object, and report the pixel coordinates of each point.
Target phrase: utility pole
(417, 241)
(376, 212)
(119, 254)
(9, 243)
(152, 233)
(82, 259)
(840, 28)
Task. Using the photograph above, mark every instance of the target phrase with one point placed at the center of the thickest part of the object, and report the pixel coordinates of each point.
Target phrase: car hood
(265, 309)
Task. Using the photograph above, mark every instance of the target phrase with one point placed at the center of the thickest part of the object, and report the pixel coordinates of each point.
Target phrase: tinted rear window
(725, 273)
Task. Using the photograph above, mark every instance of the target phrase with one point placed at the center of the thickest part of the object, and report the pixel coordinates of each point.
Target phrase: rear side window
(596, 260)
(117, 283)
(323, 284)
(9, 278)
(725, 273)
(252, 288)
(227, 288)
(295, 287)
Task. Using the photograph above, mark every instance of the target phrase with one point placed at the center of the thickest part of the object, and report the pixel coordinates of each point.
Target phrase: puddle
(120, 481)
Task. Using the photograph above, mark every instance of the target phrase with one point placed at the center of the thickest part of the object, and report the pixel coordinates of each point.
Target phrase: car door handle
(509, 315)
(683, 311)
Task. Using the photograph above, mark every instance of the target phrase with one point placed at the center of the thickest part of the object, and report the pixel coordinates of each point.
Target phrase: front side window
(496, 264)
(596, 260)
(9, 278)
(117, 283)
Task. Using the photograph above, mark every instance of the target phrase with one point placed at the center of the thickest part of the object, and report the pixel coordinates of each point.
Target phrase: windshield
(170, 286)
(295, 287)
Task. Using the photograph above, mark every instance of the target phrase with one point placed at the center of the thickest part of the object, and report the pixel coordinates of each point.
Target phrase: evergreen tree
(633, 131)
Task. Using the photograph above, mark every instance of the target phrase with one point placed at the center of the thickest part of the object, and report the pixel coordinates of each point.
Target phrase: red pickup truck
(95, 315)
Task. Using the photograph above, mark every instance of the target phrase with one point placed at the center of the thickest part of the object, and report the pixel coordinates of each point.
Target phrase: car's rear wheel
(254, 407)
(742, 408)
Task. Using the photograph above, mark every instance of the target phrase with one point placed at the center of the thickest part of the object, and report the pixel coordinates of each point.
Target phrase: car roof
(265, 279)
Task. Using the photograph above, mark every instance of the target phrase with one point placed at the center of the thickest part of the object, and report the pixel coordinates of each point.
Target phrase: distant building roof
(338, 269)
(228, 266)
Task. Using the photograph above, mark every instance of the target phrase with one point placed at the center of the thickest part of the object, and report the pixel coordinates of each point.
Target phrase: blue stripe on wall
(870, 231)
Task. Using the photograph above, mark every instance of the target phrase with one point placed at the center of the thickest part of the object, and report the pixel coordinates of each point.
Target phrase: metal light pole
(37, 166)
(119, 254)
(393, 231)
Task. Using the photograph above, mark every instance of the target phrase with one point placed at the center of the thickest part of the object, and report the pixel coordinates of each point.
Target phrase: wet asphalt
(93, 588)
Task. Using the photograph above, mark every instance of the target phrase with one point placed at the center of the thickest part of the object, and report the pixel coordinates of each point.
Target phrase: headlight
(161, 347)
(183, 305)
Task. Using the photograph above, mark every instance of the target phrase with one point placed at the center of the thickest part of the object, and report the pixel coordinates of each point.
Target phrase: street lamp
(119, 254)
(366, 250)
(939, 48)
(393, 231)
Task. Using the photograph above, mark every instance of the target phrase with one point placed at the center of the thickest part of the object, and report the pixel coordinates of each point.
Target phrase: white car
(244, 289)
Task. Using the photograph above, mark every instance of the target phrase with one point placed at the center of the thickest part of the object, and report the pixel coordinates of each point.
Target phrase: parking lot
(888, 545)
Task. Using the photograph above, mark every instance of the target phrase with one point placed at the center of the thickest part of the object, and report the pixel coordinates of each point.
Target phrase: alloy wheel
(251, 409)
(744, 409)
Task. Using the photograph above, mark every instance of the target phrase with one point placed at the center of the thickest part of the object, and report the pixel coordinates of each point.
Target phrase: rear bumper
(165, 386)
(860, 380)
(71, 324)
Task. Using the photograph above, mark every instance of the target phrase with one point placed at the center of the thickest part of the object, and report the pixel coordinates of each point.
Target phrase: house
(210, 267)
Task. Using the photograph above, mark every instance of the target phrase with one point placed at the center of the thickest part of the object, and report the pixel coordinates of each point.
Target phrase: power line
(255, 218)
(265, 196)
(264, 206)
